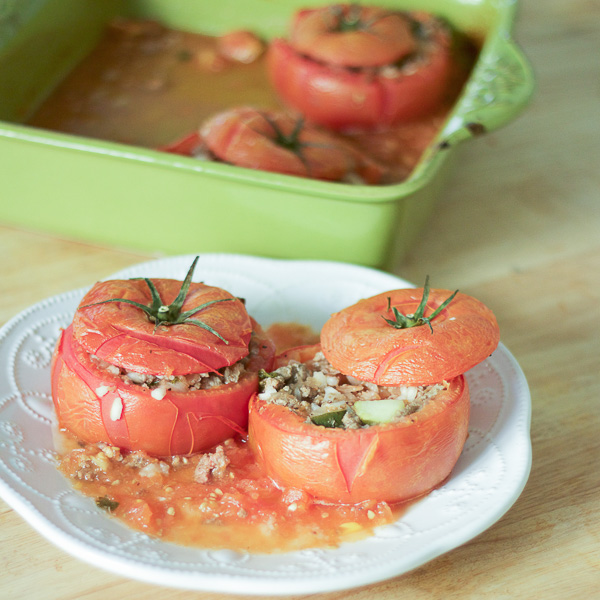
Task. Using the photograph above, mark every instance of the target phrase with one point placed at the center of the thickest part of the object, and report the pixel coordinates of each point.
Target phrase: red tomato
(357, 340)
(277, 142)
(97, 406)
(209, 330)
(364, 88)
(122, 334)
(392, 462)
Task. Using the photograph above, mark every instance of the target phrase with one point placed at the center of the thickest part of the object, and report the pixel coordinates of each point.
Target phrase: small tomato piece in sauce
(240, 46)
(290, 335)
(190, 144)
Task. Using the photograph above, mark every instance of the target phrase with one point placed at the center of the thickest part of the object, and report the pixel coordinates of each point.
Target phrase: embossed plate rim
(488, 479)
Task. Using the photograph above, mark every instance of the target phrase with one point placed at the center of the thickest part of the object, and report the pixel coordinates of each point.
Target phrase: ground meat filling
(94, 461)
(316, 388)
(160, 385)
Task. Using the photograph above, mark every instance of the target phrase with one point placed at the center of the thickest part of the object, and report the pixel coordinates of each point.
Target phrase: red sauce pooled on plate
(237, 508)
(221, 499)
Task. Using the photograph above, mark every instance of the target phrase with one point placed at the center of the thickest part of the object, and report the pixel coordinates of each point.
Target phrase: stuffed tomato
(345, 66)
(315, 425)
(174, 377)
(351, 461)
(276, 141)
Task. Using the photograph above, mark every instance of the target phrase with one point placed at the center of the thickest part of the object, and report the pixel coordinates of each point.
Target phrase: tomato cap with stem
(402, 321)
(170, 314)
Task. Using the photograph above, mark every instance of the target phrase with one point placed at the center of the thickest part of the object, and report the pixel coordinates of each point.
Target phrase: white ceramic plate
(487, 480)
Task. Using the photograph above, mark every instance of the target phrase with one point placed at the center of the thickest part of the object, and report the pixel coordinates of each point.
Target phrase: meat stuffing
(316, 388)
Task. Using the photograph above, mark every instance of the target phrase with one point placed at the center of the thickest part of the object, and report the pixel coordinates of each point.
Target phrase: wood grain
(519, 228)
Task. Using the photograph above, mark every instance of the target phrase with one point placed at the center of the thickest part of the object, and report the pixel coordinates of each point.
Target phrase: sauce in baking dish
(147, 85)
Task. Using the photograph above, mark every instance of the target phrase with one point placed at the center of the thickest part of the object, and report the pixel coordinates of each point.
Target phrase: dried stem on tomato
(289, 142)
(402, 321)
(292, 140)
(170, 314)
(348, 20)
(352, 20)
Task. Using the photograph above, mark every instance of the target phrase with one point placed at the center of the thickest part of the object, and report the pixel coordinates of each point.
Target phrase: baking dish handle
(500, 88)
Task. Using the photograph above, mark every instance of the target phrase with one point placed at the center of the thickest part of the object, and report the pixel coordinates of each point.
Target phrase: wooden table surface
(519, 228)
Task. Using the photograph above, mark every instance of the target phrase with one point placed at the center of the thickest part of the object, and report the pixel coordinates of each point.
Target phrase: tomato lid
(110, 324)
(362, 341)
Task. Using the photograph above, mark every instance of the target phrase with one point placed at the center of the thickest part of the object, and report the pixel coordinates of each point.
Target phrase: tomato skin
(392, 463)
(188, 145)
(344, 99)
(243, 136)
(122, 334)
(357, 341)
(383, 37)
(139, 514)
(301, 354)
(246, 137)
(180, 423)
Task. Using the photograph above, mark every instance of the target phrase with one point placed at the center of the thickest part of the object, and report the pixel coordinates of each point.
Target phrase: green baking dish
(137, 198)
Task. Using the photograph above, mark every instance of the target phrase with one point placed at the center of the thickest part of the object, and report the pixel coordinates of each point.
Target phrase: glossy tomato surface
(97, 406)
(346, 96)
(122, 334)
(358, 341)
(392, 463)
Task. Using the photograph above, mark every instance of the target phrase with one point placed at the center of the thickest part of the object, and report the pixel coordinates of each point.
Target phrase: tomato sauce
(289, 335)
(222, 499)
(147, 85)
(239, 508)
